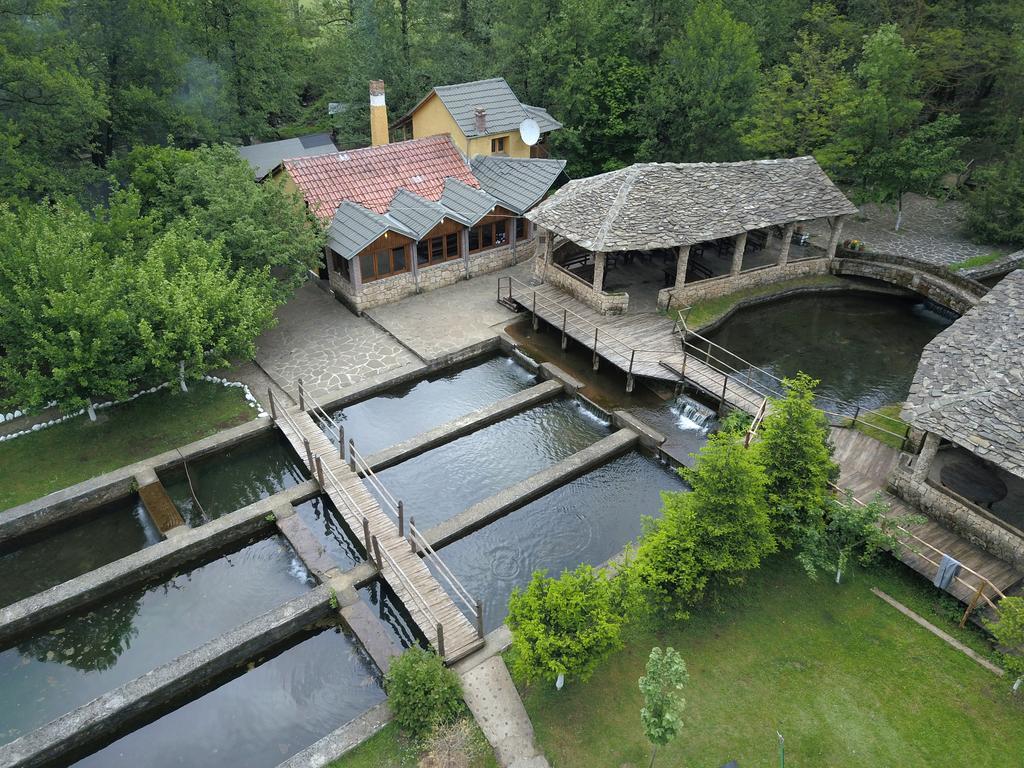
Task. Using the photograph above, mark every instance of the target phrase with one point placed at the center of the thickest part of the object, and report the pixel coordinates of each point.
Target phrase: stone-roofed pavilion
(735, 210)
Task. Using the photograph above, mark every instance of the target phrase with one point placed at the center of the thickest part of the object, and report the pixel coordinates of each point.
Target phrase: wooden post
(412, 541)
(565, 317)
(856, 413)
(309, 453)
(972, 604)
(629, 374)
(401, 518)
(535, 324)
(341, 442)
(595, 347)
(273, 410)
(479, 619)
(351, 455)
(376, 551)
(320, 471)
(721, 404)
(440, 640)
(302, 397)
(685, 353)
(366, 538)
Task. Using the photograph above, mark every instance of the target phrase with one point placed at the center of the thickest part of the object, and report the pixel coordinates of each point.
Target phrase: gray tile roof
(354, 227)
(465, 204)
(267, 156)
(517, 183)
(660, 205)
(969, 385)
(504, 110)
(414, 214)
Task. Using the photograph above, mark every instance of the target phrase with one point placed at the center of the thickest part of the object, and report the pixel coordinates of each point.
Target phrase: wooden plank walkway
(865, 463)
(403, 569)
(641, 345)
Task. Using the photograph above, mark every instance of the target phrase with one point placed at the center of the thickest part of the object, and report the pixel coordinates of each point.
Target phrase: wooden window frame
(499, 145)
(374, 255)
(490, 229)
(446, 253)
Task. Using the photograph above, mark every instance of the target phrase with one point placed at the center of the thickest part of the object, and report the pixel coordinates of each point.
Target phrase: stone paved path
(931, 231)
(495, 703)
(322, 342)
(439, 323)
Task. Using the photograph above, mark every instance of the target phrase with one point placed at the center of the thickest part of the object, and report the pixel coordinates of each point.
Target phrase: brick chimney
(480, 115)
(378, 114)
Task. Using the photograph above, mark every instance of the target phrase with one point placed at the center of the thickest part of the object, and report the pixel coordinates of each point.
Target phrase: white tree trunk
(839, 574)
(90, 410)
(1016, 685)
(181, 376)
(899, 212)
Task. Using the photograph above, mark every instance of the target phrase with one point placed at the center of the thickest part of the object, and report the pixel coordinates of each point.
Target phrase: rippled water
(390, 610)
(261, 718)
(587, 521)
(327, 524)
(864, 348)
(74, 548)
(446, 480)
(88, 654)
(408, 410)
(241, 475)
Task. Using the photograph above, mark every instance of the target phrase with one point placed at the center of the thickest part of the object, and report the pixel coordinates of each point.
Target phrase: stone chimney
(378, 114)
(480, 115)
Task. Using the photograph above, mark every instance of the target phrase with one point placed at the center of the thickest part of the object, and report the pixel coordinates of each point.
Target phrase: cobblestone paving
(319, 340)
(931, 231)
(438, 323)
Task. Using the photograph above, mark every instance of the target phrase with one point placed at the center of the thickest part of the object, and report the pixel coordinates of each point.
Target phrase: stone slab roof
(517, 183)
(969, 385)
(504, 110)
(662, 205)
(267, 156)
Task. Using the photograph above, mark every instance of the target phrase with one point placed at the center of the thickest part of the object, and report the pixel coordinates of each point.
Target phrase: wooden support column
(464, 245)
(737, 253)
(682, 260)
(837, 232)
(414, 263)
(512, 241)
(546, 246)
(924, 459)
(599, 259)
(787, 240)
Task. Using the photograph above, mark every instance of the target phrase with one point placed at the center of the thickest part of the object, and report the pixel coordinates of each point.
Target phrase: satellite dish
(529, 131)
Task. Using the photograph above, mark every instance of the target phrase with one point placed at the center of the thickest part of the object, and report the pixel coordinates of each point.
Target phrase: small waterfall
(523, 359)
(298, 569)
(692, 416)
(593, 411)
(153, 535)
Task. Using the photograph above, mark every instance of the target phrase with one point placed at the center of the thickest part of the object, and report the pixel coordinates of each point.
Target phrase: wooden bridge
(411, 568)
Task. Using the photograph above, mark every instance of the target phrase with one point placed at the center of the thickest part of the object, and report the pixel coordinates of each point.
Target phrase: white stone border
(18, 413)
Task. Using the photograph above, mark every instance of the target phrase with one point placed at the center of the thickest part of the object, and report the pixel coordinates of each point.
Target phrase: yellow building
(483, 118)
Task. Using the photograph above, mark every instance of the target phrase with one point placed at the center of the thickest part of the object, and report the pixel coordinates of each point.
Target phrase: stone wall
(713, 287)
(938, 289)
(959, 518)
(390, 289)
(605, 303)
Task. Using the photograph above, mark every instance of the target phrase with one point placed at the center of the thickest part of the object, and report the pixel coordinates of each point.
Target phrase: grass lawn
(387, 749)
(703, 312)
(51, 459)
(975, 261)
(876, 425)
(847, 679)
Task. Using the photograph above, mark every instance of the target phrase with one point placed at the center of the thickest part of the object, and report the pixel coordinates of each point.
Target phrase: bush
(422, 692)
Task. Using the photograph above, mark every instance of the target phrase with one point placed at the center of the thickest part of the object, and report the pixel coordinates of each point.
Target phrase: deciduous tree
(662, 689)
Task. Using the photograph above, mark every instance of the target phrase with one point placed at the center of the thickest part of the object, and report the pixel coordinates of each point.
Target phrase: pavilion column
(599, 259)
(546, 246)
(924, 459)
(682, 259)
(837, 232)
(464, 245)
(787, 240)
(737, 253)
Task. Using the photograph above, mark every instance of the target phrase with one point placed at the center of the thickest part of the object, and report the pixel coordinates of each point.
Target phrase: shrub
(422, 692)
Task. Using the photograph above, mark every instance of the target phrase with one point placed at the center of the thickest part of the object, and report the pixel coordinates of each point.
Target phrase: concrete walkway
(494, 701)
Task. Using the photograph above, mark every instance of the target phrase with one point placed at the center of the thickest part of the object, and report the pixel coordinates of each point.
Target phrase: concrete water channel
(229, 654)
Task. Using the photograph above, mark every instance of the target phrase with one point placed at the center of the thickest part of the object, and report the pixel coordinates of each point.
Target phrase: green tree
(704, 83)
(662, 689)
(995, 210)
(563, 626)
(851, 530)
(793, 450)
(422, 692)
(1008, 632)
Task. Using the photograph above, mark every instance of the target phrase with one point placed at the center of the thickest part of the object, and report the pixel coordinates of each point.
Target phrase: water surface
(261, 718)
(864, 348)
(587, 521)
(442, 482)
(407, 410)
(91, 653)
(70, 549)
(241, 475)
(329, 527)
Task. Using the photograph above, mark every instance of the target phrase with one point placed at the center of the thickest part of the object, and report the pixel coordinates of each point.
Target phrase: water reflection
(326, 523)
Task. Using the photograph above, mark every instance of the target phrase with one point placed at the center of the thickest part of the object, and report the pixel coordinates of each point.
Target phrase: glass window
(422, 252)
(474, 238)
(487, 237)
(520, 228)
(436, 249)
(383, 263)
(451, 246)
(398, 259)
(501, 232)
(366, 266)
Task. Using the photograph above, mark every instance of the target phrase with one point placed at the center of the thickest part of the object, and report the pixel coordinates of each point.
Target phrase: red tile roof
(371, 176)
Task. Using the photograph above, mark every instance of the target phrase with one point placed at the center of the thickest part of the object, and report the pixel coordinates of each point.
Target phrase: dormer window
(498, 145)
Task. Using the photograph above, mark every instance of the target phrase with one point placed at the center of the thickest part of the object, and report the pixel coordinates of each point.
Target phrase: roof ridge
(616, 207)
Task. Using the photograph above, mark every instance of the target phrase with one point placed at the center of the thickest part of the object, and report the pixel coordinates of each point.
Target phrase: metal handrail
(327, 424)
(336, 484)
(276, 411)
(363, 467)
(453, 582)
(408, 584)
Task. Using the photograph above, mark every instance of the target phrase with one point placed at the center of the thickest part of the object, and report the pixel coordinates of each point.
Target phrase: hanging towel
(948, 569)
